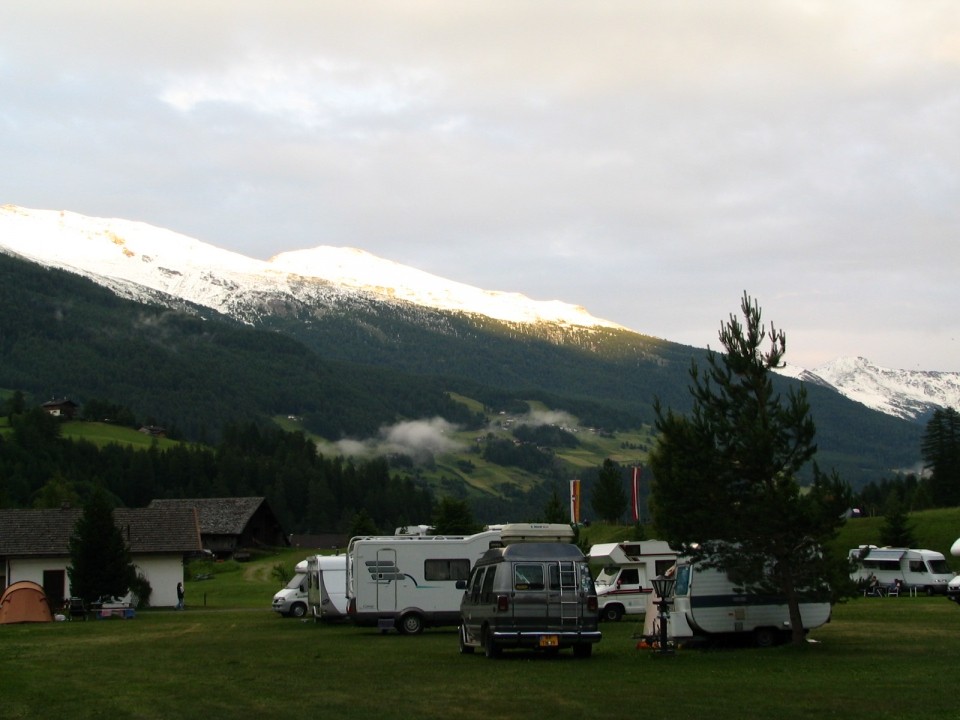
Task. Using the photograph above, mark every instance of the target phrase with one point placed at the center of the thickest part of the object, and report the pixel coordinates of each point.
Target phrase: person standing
(179, 596)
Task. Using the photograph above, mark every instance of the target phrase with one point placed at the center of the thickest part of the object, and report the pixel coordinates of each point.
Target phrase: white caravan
(924, 571)
(327, 586)
(292, 600)
(409, 582)
(707, 604)
(623, 585)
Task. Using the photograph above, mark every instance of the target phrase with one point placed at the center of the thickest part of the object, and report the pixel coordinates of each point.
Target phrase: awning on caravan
(883, 554)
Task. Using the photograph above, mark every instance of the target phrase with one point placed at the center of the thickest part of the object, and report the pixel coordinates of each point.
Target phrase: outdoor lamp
(663, 587)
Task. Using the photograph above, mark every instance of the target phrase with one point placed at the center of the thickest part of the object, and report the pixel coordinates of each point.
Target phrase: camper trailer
(327, 587)
(923, 571)
(291, 601)
(707, 604)
(409, 582)
(623, 585)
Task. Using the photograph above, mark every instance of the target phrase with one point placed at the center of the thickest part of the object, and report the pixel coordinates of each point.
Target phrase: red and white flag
(635, 494)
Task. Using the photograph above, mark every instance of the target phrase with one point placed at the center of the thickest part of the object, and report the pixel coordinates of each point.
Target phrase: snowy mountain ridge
(146, 263)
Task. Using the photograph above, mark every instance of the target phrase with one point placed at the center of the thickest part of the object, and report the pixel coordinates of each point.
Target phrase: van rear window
(528, 576)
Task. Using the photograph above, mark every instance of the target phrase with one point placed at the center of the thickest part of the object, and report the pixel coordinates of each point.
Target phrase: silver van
(538, 596)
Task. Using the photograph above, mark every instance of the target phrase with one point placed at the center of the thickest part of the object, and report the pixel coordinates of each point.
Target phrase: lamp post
(663, 587)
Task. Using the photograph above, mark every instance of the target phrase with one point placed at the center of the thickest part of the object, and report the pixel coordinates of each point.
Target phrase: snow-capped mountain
(138, 261)
(146, 263)
(904, 393)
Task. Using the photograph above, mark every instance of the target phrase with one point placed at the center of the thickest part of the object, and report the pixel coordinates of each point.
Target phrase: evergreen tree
(556, 511)
(100, 564)
(609, 498)
(453, 517)
(725, 485)
(896, 530)
(941, 455)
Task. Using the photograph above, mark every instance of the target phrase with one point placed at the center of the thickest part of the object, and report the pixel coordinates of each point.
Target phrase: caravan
(708, 604)
(409, 582)
(923, 571)
(623, 585)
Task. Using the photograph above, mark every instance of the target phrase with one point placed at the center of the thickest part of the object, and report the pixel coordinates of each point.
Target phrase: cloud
(419, 439)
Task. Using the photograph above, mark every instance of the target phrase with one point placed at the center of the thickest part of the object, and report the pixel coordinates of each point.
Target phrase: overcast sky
(649, 160)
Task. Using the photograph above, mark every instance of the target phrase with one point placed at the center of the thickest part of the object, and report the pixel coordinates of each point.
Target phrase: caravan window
(917, 566)
(446, 569)
(683, 581)
(630, 576)
(939, 567)
(562, 575)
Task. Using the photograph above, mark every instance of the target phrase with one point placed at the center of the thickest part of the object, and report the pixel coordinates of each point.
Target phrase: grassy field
(234, 658)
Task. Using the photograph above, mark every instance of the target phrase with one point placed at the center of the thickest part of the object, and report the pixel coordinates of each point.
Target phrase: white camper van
(623, 584)
(707, 605)
(410, 581)
(925, 571)
(292, 600)
(327, 586)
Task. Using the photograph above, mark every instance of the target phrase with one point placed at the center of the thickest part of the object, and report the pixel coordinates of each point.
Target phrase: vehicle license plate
(548, 641)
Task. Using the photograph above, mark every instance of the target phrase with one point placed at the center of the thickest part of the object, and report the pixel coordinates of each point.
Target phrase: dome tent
(24, 601)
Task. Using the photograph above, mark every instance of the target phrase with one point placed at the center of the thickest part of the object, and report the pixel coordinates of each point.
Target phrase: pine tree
(941, 455)
(896, 530)
(609, 498)
(725, 478)
(100, 564)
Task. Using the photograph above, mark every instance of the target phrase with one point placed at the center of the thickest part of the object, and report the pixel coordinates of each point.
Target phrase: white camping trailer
(623, 584)
(327, 586)
(707, 604)
(410, 581)
(924, 571)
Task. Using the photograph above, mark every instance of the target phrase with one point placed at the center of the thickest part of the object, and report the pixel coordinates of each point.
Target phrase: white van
(925, 571)
(292, 600)
(327, 586)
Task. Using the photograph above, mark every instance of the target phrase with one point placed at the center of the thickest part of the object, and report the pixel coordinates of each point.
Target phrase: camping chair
(893, 590)
(77, 608)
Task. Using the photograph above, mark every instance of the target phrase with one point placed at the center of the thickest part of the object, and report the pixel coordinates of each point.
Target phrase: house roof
(147, 530)
(218, 516)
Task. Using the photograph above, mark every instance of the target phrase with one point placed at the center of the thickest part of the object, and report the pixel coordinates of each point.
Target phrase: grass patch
(877, 659)
(101, 434)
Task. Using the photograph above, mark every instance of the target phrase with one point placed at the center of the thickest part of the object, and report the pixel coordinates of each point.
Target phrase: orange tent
(24, 601)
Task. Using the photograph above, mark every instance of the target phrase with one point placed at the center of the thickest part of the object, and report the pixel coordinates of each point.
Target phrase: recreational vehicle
(409, 582)
(708, 604)
(327, 586)
(923, 571)
(623, 584)
(538, 596)
(292, 600)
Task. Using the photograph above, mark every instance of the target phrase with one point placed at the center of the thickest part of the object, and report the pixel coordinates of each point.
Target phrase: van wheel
(765, 637)
(613, 613)
(464, 648)
(411, 624)
(490, 648)
(582, 650)
(298, 610)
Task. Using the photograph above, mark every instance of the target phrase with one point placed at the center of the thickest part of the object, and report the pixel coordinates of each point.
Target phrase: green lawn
(234, 658)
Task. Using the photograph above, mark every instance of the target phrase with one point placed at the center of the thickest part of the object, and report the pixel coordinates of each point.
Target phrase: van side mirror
(461, 584)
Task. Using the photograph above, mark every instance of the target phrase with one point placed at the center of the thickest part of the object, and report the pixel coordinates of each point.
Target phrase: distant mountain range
(362, 312)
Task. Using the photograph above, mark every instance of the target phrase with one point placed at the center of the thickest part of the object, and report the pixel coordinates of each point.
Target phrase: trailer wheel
(490, 648)
(464, 648)
(765, 637)
(298, 610)
(613, 613)
(411, 624)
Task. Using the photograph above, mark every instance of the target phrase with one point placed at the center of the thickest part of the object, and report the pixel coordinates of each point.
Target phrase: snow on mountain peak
(116, 252)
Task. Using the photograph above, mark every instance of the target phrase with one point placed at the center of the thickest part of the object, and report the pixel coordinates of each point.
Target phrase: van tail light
(592, 603)
(503, 603)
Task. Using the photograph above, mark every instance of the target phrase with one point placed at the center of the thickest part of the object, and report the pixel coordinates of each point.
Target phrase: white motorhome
(292, 600)
(327, 586)
(623, 585)
(409, 582)
(924, 571)
(707, 604)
